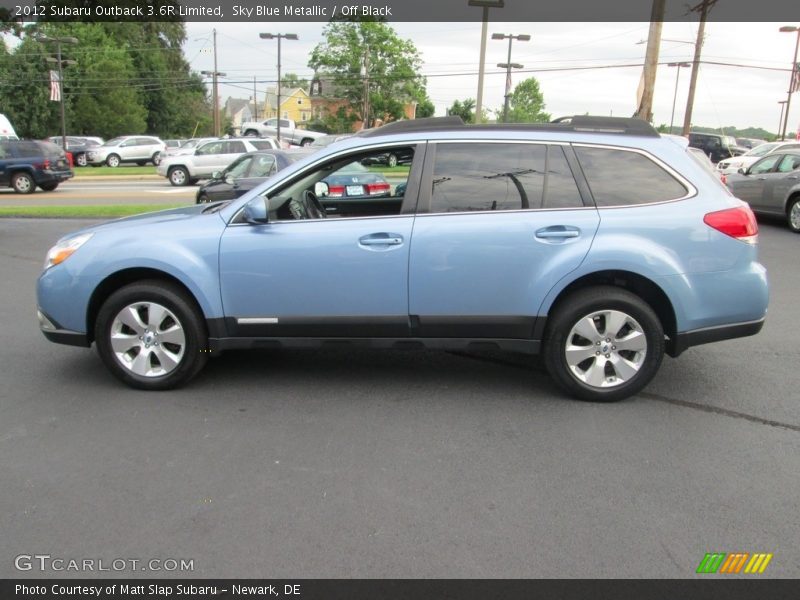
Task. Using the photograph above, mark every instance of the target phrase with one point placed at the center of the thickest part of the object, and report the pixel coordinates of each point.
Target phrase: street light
(675, 96)
(523, 37)
(780, 121)
(61, 62)
(214, 75)
(792, 81)
(485, 5)
(278, 36)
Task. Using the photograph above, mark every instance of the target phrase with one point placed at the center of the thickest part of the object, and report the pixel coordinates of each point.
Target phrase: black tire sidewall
(189, 316)
(591, 300)
(185, 176)
(789, 212)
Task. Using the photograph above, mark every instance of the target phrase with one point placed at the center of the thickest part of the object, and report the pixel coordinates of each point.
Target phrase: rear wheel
(793, 214)
(112, 160)
(156, 158)
(391, 160)
(306, 142)
(178, 176)
(23, 183)
(151, 336)
(251, 133)
(603, 344)
(80, 160)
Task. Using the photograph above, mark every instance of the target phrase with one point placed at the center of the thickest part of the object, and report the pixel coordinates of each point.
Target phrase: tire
(156, 158)
(306, 142)
(159, 335)
(596, 370)
(178, 176)
(251, 133)
(202, 199)
(48, 187)
(112, 160)
(391, 160)
(80, 160)
(23, 183)
(793, 214)
(141, 163)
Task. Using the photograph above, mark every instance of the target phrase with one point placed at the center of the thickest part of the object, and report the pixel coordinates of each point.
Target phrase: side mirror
(229, 179)
(216, 175)
(321, 189)
(255, 211)
(742, 171)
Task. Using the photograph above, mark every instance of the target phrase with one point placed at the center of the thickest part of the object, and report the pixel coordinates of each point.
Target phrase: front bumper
(55, 333)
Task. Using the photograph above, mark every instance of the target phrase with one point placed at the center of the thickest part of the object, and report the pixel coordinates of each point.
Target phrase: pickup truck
(289, 131)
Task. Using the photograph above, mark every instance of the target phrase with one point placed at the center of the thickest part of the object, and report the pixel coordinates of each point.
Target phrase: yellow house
(295, 105)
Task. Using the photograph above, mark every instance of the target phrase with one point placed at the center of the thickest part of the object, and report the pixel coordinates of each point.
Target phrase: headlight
(64, 249)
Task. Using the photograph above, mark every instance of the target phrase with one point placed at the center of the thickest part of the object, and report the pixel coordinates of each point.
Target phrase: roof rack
(580, 123)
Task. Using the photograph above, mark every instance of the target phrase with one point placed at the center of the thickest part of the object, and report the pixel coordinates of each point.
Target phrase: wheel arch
(790, 197)
(120, 279)
(638, 284)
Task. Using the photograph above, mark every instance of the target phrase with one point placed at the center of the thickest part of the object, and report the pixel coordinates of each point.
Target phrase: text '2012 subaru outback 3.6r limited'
(592, 240)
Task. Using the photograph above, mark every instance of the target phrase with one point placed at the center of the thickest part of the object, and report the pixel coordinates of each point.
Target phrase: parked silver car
(139, 149)
(771, 186)
(207, 158)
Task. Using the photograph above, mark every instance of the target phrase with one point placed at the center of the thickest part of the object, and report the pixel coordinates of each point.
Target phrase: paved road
(398, 464)
(104, 191)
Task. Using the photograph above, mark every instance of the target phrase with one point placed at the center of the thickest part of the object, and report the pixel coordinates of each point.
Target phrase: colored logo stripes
(721, 562)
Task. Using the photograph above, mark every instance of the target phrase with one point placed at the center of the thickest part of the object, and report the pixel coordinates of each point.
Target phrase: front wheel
(793, 214)
(151, 336)
(392, 160)
(112, 160)
(603, 344)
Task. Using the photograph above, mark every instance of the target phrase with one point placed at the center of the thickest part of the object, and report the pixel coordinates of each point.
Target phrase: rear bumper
(706, 335)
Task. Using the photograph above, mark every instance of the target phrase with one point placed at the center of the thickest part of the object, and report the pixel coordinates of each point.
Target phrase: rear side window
(261, 144)
(620, 177)
(484, 177)
(28, 150)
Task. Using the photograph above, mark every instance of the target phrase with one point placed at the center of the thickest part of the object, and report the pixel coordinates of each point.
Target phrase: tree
(392, 66)
(526, 104)
(425, 108)
(291, 80)
(464, 109)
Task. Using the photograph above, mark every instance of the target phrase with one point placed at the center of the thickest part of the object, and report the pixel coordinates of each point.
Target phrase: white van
(6, 130)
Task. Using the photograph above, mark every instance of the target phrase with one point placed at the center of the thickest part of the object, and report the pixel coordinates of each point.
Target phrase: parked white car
(207, 158)
(188, 147)
(290, 132)
(139, 149)
(733, 164)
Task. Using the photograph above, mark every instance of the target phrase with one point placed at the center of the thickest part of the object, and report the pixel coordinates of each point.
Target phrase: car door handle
(381, 239)
(558, 232)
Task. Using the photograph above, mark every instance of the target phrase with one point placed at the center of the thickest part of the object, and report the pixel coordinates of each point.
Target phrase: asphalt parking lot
(389, 464)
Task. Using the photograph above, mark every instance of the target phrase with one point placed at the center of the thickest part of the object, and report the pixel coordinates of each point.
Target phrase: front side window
(471, 177)
(239, 168)
(622, 177)
(766, 164)
(263, 166)
(211, 148)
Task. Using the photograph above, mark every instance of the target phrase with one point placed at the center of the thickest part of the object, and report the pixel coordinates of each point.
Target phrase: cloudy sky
(738, 96)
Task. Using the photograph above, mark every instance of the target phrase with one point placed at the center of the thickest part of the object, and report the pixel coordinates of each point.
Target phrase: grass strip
(99, 211)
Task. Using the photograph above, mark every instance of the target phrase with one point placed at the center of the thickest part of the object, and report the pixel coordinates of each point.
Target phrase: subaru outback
(593, 241)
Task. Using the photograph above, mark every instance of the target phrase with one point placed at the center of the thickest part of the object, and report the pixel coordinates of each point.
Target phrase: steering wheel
(314, 206)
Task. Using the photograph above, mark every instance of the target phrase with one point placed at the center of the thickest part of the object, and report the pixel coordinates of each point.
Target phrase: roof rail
(580, 123)
(412, 125)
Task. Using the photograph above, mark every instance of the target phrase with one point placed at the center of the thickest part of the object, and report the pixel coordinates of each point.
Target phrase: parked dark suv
(717, 147)
(26, 164)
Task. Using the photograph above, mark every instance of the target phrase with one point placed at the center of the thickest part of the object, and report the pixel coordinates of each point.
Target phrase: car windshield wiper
(216, 207)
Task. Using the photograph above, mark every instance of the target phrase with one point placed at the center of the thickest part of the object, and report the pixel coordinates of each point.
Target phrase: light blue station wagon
(594, 241)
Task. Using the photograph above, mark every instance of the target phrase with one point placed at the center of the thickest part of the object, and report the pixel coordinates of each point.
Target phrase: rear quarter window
(623, 177)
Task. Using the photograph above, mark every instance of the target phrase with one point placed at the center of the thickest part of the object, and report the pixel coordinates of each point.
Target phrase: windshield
(762, 150)
(114, 142)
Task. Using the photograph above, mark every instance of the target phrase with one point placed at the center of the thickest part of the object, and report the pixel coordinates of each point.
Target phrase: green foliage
(393, 66)
(425, 108)
(464, 109)
(128, 78)
(291, 80)
(526, 104)
(339, 122)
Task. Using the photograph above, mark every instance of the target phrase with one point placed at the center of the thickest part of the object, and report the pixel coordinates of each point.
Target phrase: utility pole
(704, 7)
(523, 37)
(61, 62)
(675, 95)
(214, 85)
(278, 36)
(485, 5)
(645, 108)
(255, 100)
(793, 79)
(780, 121)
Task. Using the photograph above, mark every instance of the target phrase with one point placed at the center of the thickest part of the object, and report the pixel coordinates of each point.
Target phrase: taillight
(723, 178)
(373, 189)
(739, 223)
(336, 191)
(42, 165)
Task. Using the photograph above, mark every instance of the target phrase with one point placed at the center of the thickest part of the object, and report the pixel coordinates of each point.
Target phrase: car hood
(150, 218)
